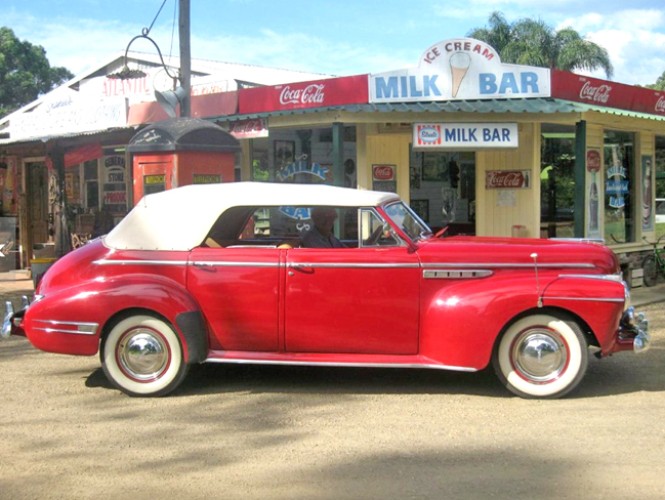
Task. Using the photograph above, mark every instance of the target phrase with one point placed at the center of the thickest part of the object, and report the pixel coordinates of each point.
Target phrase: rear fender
(104, 301)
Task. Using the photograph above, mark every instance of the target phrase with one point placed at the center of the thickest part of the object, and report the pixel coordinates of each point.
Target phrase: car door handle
(300, 268)
(205, 266)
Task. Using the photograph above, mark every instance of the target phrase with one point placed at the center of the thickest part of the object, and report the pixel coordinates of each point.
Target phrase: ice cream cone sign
(459, 65)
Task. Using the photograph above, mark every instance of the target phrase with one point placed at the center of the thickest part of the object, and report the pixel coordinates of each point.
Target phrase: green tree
(532, 42)
(25, 72)
(660, 83)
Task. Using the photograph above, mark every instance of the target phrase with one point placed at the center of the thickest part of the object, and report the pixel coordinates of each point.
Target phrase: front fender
(462, 319)
(599, 300)
(95, 303)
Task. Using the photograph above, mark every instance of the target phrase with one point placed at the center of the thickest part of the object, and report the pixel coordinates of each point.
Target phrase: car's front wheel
(142, 356)
(541, 356)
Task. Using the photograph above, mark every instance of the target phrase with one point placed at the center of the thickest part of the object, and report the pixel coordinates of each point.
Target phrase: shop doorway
(442, 189)
(38, 197)
(557, 181)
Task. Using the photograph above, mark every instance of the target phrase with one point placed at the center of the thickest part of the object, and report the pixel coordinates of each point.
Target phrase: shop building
(64, 161)
(476, 145)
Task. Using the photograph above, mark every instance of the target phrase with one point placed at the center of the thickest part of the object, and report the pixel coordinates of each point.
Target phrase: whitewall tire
(142, 356)
(541, 356)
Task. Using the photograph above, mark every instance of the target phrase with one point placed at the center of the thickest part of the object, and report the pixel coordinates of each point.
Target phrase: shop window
(443, 189)
(619, 171)
(557, 180)
(303, 156)
(660, 185)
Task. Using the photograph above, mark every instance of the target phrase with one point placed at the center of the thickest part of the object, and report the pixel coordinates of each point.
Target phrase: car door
(353, 300)
(237, 288)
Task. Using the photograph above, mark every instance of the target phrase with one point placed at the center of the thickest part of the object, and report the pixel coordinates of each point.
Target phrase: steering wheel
(441, 232)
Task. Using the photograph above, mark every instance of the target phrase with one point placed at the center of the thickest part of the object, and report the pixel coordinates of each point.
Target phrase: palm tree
(532, 42)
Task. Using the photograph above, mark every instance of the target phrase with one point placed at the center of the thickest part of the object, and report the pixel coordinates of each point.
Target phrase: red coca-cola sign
(584, 89)
(383, 172)
(593, 160)
(595, 93)
(311, 94)
(302, 95)
(507, 179)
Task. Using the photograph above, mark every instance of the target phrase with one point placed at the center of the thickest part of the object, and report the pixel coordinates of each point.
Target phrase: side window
(375, 231)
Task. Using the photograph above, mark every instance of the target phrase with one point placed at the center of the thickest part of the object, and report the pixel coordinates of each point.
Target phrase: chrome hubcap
(539, 356)
(143, 355)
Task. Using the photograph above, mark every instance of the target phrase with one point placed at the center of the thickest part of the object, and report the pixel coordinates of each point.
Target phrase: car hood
(578, 255)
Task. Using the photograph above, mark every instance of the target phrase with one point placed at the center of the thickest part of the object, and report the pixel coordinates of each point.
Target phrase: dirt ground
(316, 433)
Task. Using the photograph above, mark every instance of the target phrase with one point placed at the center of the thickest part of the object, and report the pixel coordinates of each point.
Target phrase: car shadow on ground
(220, 378)
(613, 376)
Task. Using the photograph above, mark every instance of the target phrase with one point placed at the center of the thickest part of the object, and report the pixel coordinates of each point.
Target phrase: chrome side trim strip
(587, 299)
(339, 364)
(78, 328)
(604, 277)
(509, 265)
(214, 263)
(356, 265)
(453, 274)
(119, 262)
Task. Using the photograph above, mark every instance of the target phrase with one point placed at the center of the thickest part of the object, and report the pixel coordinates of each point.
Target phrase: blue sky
(340, 37)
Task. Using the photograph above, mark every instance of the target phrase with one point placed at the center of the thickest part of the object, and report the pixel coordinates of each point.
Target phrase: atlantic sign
(462, 68)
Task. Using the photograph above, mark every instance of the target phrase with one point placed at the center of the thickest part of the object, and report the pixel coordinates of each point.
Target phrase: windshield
(407, 220)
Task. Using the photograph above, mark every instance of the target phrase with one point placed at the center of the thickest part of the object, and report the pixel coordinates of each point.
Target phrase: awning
(530, 105)
(82, 154)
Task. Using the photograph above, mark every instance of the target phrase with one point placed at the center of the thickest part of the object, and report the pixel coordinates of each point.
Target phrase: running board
(341, 360)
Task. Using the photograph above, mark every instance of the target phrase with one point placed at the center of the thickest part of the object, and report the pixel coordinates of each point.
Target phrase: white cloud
(635, 47)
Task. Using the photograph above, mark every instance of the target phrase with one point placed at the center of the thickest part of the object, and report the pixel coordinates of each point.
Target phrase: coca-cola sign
(599, 94)
(311, 94)
(302, 95)
(660, 105)
(593, 160)
(383, 172)
(249, 129)
(594, 91)
(507, 179)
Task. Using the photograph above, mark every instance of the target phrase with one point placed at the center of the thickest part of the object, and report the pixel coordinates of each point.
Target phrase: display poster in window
(593, 164)
(115, 188)
(647, 194)
(384, 178)
(73, 187)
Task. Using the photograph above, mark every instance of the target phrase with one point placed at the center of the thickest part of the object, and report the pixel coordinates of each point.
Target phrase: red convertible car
(318, 275)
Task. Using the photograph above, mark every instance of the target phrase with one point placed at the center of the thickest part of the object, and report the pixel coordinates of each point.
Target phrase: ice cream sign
(459, 69)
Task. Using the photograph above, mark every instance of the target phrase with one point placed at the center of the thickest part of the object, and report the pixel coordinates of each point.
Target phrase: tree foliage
(25, 72)
(533, 42)
(660, 83)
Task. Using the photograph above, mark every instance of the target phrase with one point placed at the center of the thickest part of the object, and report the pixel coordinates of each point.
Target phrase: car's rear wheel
(142, 356)
(541, 356)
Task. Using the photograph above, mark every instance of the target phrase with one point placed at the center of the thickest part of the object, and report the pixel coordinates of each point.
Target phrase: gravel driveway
(282, 432)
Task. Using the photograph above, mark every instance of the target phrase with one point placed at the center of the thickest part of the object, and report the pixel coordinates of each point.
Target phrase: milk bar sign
(464, 135)
(458, 69)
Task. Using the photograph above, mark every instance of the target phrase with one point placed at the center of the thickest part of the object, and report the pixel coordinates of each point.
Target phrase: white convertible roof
(180, 219)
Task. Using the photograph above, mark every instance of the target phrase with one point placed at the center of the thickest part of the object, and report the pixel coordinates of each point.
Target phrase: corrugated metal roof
(531, 105)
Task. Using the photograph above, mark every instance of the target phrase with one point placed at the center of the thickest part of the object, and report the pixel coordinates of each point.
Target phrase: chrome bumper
(634, 331)
(11, 323)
